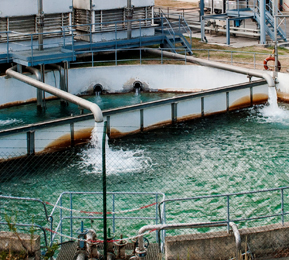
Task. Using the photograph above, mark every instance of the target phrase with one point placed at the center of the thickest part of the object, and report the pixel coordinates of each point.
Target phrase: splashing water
(273, 113)
(117, 161)
(9, 122)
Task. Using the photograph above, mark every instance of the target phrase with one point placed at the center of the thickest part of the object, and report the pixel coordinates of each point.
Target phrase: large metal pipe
(39, 91)
(190, 225)
(213, 64)
(262, 10)
(59, 93)
(62, 79)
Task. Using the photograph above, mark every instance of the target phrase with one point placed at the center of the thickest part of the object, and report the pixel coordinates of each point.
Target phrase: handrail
(59, 205)
(228, 195)
(249, 72)
(28, 199)
(94, 108)
(190, 225)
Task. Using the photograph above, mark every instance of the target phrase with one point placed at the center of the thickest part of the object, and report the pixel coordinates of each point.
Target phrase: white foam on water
(273, 113)
(117, 161)
(9, 122)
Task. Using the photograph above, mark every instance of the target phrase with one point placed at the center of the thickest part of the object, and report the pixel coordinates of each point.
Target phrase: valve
(121, 248)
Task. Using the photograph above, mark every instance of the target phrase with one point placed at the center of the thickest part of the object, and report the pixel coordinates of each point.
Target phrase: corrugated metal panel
(22, 26)
(105, 19)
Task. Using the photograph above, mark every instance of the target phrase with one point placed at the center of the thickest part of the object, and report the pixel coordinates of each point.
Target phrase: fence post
(282, 205)
(231, 57)
(71, 223)
(157, 233)
(60, 216)
(228, 213)
(254, 60)
(113, 215)
(104, 191)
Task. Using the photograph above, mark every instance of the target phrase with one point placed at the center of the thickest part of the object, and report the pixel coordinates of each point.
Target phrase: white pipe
(213, 64)
(190, 225)
(59, 93)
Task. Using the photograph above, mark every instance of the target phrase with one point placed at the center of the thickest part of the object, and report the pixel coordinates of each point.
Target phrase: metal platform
(47, 56)
(74, 42)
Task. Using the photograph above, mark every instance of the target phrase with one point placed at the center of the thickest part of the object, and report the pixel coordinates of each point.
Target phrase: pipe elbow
(269, 79)
(97, 114)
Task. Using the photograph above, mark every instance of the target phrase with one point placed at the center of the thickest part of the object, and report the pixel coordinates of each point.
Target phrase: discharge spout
(96, 111)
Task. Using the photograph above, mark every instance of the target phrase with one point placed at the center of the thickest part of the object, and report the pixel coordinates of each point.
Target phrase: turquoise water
(243, 150)
(28, 114)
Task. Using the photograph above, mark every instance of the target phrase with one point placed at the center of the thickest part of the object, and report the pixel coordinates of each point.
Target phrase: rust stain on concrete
(28, 101)
(283, 96)
(64, 141)
(114, 133)
(260, 98)
(241, 103)
(189, 117)
(215, 113)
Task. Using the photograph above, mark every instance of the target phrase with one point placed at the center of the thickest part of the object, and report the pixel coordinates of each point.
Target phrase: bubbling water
(117, 161)
(9, 122)
(273, 113)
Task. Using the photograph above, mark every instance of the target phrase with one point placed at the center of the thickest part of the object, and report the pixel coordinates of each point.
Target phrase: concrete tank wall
(182, 78)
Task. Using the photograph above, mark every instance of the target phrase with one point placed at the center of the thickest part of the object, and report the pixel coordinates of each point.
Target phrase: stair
(269, 24)
(174, 35)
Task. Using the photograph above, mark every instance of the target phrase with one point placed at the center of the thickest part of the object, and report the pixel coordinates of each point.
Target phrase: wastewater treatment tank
(213, 137)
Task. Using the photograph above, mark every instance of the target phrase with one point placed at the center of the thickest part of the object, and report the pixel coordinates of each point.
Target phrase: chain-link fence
(204, 172)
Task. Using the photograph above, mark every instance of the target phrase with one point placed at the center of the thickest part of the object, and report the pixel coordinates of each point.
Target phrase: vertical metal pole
(104, 191)
(31, 49)
(71, 223)
(157, 233)
(51, 233)
(60, 216)
(8, 55)
(113, 215)
(282, 206)
(228, 31)
(129, 17)
(40, 25)
(275, 73)
(228, 213)
(262, 21)
(202, 29)
(202, 20)
(254, 60)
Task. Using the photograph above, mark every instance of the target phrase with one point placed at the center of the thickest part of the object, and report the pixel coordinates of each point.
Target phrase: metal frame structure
(227, 218)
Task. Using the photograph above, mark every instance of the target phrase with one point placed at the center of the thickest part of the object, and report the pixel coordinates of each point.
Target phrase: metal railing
(79, 38)
(138, 56)
(33, 200)
(228, 205)
(98, 215)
